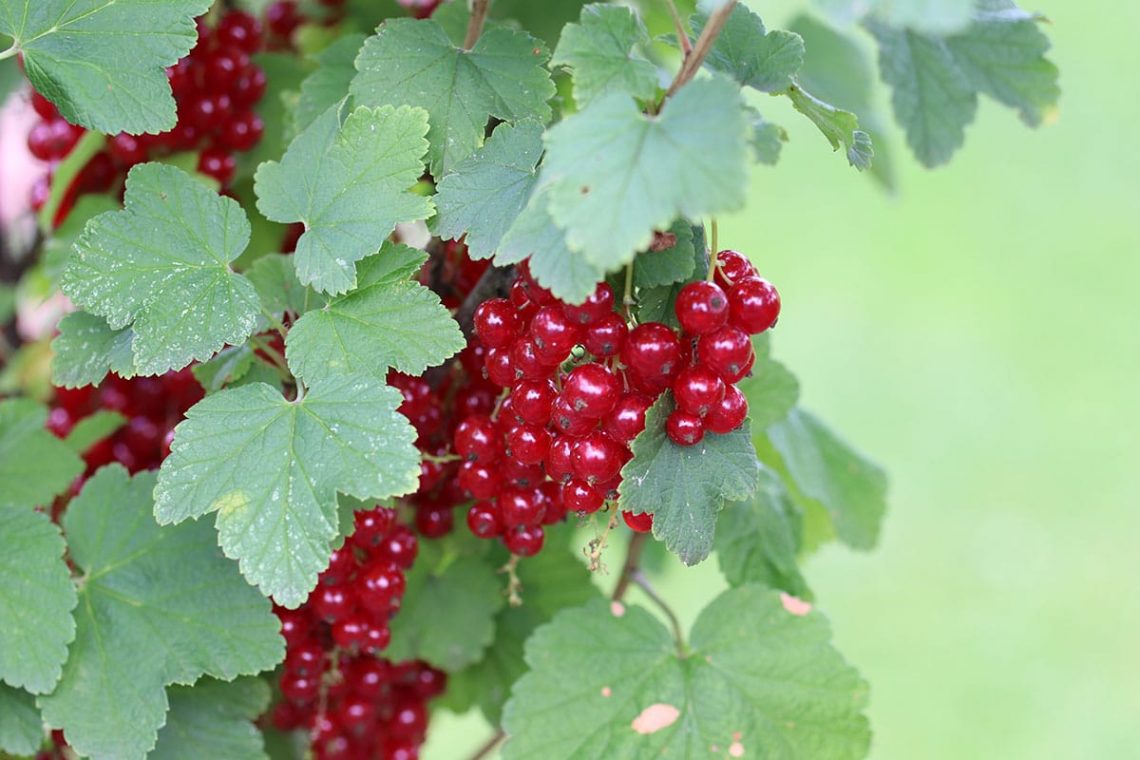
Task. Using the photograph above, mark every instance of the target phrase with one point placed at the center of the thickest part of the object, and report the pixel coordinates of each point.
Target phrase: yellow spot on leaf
(234, 501)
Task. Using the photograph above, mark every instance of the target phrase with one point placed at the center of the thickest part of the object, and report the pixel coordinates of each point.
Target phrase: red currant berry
(479, 480)
(497, 323)
(332, 603)
(240, 30)
(701, 307)
(653, 352)
(367, 677)
(553, 334)
(525, 540)
(519, 507)
(53, 140)
(533, 400)
(249, 88)
(551, 497)
(606, 336)
(342, 566)
(434, 521)
(684, 429)
(44, 107)
(282, 18)
(523, 475)
(350, 633)
(598, 305)
(483, 520)
(372, 526)
(379, 587)
(531, 363)
(528, 443)
(755, 305)
(296, 626)
(727, 352)
(377, 637)
(732, 267)
(299, 689)
(535, 292)
(697, 390)
(477, 440)
(627, 418)
(208, 112)
(400, 547)
(127, 150)
(579, 496)
(569, 421)
(641, 523)
(591, 390)
(729, 414)
(500, 367)
(243, 132)
(598, 458)
(218, 164)
(559, 459)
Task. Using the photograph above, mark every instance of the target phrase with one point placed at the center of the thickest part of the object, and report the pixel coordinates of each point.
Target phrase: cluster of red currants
(334, 685)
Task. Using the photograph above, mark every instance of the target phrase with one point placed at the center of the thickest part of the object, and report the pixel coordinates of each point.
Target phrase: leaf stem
(274, 322)
(274, 356)
(489, 746)
(712, 250)
(692, 63)
(479, 10)
(627, 297)
(11, 51)
(682, 35)
(629, 567)
(643, 583)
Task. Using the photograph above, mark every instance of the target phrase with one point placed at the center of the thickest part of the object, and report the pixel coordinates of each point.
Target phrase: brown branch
(682, 35)
(479, 10)
(489, 746)
(692, 62)
(630, 566)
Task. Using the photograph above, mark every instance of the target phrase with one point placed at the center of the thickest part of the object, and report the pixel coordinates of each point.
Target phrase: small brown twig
(479, 9)
(682, 35)
(692, 63)
(489, 746)
(630, 566)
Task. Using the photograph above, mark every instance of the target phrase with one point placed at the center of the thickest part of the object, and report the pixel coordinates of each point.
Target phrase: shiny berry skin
(525, 540)
(531, 363)
(579, 496)
(697, 390)
(208, 112)
(528, 443)
(500, 367)
(342, 566)
(701, 307)
(653, 352)
(519, 506)
(240, 30)
(249, 88)
(350, 633)
(533, 400)
(43, 107)
(480, 480)
(559, 461)
(372, 526)
(684, 429)
(379, 587)
(627, 418)
(281, 17)
(218, 164)
(296, 626)
(553, 333)
(400, 547)
(483, 520)
(127, 150)
(299, 689)
(569, 421)
(727, 352)
(243, 132)
(729, 413)
(606, 336)
(755, 305)
(641, 523)
(332, 603)
(591, 390)
(732, 267)
(550, 494)
(434, 522)
(598, 458)
(497, 323)
(599, 304)
(53, 140)
(477, 440)
(377, 637)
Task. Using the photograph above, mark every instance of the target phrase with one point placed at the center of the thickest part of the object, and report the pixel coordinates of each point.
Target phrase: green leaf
(552, 580)
(684, 487)
(767, 140)
(771, 390)
(825, 469)
(488, 190)
(21, 729)
(350, 184)
(229, 366)
(284, 74)
(753, 56)
(534, 235)
(157, 606)
(213, 719)
(936, 80)
(275, 279)
(386, 323)
(601, 53)
(619, 174)
(413, 63)
(271, 470)
(86, 349)
(161, 266)
(102, 63)
(58, 247)
(328, 85)
(759, 539)
(760, 681)
(674, 264)
(656, 304)
(841, 128)
(36, 600)
(92, 429)
(35, 466)
(447, 617)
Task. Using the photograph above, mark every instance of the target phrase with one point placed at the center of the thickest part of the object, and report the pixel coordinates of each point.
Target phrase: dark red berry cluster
(335, 685)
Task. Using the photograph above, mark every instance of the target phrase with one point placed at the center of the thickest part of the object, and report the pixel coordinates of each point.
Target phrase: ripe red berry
(483, 520)
(653, 353)
(43, 107)
(579, 496)
(684, 429)
(249, 88)
(282, 18)
(554, 334)
(299, 689)
(627, 418)
(598, 305)
(380, 587)
(531, 363)
(243, 132)
(567, 420)
(372, 526)
(479, 480)
(640, 523)
(219, 164)
(727, 352)
(701, 307)
(518, 506)
(697, 390)
(591, 390)
(729, 414)
(732, 267)
(533, 400)
(435, 521)
(477, 440)
(240, 30)
(606, 336)
(52, 140)
(525, 540)
(400, 547)
(497, 323)
(127, 150)
(350, 633)
(755, 305)
(332, 603)
(528, 443)
(598, 458)
(500, 367)
(559, 463)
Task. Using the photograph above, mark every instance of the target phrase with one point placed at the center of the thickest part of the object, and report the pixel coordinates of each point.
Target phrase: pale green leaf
(157, 606)
(826, 469)
(488, 190)
(35, 466)
(86, 349)
(102, 63)
(758, 680)
(229, 366)
(619, 174)
(162, 267)
(841, 128)
(414, 63)
(93, 428)
(767, 140)
(772, 390)
(213, 719)
(21, 729)
(350, 184)
(328, 85)
(271, 469)
(36, 600)
(684, 487)
(384, 324)
(753, 56)
(58, 247)
(601, 51)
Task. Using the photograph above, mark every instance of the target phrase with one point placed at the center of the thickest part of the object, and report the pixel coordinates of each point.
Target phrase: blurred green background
(975, 333)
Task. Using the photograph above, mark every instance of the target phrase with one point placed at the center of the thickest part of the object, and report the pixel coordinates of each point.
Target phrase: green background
(976, 333)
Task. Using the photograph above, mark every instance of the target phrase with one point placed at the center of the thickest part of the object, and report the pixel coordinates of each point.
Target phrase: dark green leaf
(86, 349)
(674, 264)
(213, 719)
